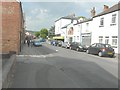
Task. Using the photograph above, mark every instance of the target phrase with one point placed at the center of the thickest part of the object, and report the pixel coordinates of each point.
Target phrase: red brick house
(12, 26)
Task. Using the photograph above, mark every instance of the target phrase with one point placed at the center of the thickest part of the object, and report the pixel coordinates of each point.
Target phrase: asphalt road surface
(55, 67)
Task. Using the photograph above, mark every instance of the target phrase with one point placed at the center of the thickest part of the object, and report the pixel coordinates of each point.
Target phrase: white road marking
(39, 56)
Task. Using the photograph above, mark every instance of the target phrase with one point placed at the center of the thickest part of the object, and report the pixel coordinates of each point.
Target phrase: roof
(90, 19)
(68, 17)
(110, 10)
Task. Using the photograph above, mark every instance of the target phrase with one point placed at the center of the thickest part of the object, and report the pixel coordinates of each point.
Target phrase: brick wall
(12, 26)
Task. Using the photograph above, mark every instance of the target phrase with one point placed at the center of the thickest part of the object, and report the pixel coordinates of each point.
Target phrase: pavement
(0, 73)
(7, 70)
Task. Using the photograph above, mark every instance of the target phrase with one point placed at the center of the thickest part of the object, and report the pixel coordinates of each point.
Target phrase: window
(113, 20)
(114, 40)
(101, 22)
(93, 45)
(77, 37)
(100, 39)
(107, 40)
(100, 45)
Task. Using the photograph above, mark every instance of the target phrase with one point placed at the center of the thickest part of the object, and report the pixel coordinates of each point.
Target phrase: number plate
(110, 53)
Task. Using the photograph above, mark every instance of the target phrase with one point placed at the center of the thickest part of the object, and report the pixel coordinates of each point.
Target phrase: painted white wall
(82, 28)
(106, 30)
(61, 23)
(86, 28)
(118, 32)
(76, 33)
(64, 33)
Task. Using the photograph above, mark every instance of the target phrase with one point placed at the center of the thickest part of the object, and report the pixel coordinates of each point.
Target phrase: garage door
(86, 40)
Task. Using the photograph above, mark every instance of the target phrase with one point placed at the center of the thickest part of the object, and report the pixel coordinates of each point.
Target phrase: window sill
(101, 26)
(112, 24)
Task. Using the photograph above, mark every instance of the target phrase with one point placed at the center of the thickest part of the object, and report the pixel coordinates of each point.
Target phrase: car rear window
(107, 45)
(37, 41)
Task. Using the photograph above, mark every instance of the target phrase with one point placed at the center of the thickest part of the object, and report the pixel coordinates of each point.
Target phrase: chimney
(105, 8)
(93, 12)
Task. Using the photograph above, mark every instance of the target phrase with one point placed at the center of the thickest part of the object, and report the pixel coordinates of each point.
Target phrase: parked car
(101, 50)
(77, 46)
(54, 42)
(37, 43)
(59, 43)
(67, 44)
(42, 40)
(64, 45)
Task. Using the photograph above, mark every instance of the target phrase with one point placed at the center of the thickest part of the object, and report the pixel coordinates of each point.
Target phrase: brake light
(103, 49)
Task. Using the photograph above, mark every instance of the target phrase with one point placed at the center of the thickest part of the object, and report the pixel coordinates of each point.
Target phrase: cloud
(36, 19)
(42, 15)
(39, 10)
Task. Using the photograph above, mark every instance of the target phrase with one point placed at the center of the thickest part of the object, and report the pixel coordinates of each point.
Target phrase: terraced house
(105, 27)
(61, 25)
(100, 28)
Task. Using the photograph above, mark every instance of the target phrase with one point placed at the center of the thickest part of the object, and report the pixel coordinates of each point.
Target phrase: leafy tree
(37, 34)
(82, 17)
(51, 31)
(43, 33)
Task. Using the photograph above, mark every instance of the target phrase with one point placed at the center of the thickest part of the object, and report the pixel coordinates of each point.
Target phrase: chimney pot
(93, 12)
(105, 8)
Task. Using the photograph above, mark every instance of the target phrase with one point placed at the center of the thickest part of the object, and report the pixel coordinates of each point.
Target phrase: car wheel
(88, 52)
(100, 54)
(112, 56)
(66, 47)
(77, 49)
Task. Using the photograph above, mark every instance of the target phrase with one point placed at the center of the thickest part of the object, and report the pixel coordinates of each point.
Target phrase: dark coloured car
(77, 46)
(37, 43)
(101, 50)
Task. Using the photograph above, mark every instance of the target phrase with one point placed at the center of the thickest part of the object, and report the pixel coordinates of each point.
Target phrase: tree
(37, 34)
(82, 17)
(43, 33)
(51, 31)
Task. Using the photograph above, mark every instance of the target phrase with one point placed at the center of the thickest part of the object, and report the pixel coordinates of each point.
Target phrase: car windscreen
(37, 41)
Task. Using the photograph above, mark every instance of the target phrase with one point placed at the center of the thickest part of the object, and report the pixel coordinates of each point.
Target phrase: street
(55, 67)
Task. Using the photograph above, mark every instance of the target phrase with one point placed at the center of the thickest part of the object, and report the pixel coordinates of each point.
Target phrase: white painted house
(77, 33)
(105, 27)
(61, 26)
(102, 28)
(60, 23)
(83, 32)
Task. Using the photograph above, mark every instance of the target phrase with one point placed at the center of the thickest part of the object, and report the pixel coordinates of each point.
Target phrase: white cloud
(39, 18)
(39, 10)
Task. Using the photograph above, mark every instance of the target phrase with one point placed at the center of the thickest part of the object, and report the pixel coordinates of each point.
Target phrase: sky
(39, 14)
